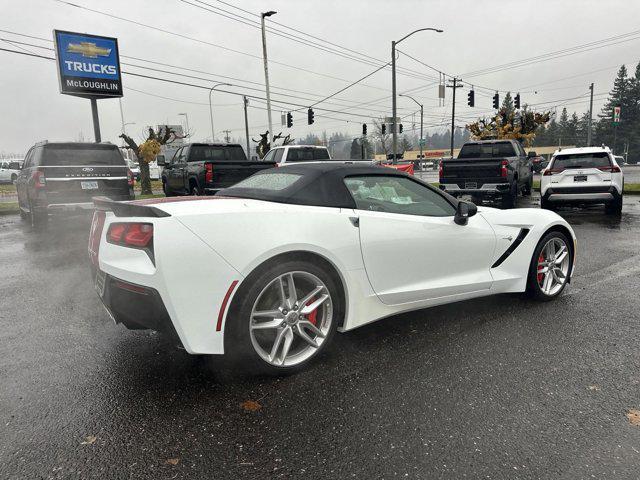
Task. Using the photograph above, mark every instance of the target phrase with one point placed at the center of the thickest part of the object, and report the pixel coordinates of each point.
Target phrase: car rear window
(269, 181)
(581, 160)
(307, 154)
(230, 153)
(487, 150)
(81, 155)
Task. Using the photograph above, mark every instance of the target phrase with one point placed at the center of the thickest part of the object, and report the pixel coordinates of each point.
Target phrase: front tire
(550, 267)
(283, 317)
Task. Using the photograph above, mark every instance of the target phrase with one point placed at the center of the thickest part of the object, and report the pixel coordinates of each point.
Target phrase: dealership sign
(88, 65)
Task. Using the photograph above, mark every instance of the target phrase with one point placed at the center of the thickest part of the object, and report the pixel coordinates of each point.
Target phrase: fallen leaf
(89, 440)
(250, 406)
(172, 461)
(634, 417)
(594, 388)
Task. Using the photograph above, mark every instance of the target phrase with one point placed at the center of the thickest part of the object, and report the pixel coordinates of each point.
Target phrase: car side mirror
(532, 154)
(161, 161)
(464, 211)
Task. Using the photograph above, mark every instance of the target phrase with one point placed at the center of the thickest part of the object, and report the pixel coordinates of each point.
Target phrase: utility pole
(186, 118)
(590, 117)
(226, 137)
(455, 86)
(394, 121)
(266, 71)
(246, 125)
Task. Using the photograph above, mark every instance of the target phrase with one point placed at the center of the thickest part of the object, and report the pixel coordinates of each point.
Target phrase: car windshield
(81, 155)
(220, 153)
(487, 150)
(582, 160)
(307, 154)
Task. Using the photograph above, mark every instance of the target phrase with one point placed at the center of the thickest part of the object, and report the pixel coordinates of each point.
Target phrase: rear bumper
(137, 307)
(485, 190)
(74, 207)
(581, 194)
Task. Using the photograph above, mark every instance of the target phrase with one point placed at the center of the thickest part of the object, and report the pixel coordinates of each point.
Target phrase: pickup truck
(489, 170)
(297, 153)
(205, 168)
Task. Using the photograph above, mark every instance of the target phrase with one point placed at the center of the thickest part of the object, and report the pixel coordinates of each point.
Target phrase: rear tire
(193, 190)
(549, 270)
(547, 205)
(165, 189)
(509, 200)
(528, 188)
(615, 207)
(38, 220)
(251, 347)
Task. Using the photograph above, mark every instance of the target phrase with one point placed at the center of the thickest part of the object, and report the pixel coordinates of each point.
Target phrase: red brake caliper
(312, 317)
(540, 267)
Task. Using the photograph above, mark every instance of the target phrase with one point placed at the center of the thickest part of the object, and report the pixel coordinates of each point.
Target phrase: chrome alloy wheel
(291, 318)
(553, 266)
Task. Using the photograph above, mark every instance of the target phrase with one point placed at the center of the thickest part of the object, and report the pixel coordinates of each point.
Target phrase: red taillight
(130, 178)
(94, 236)
(611, 169)
(208, 174)
(503, 168)
(38, 179)
(440, 171)
(551, 171)
(137, 235)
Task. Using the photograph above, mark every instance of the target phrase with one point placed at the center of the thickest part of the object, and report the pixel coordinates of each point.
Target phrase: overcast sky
(477, 35)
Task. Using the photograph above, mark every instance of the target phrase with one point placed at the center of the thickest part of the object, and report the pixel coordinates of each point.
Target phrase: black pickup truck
(205, 168)
(489, 170)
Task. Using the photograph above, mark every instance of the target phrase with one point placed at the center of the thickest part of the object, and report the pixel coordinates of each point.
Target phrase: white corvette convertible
(269, 269)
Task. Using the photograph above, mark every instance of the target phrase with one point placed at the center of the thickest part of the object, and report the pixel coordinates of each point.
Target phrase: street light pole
(590, 117)
(266, 70)
(421, 118)
(213, 136)
(393, 86)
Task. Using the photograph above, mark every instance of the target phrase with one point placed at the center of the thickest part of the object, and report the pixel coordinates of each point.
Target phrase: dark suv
(64, 177)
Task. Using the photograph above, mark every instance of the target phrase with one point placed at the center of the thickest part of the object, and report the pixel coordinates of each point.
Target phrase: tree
(509, 124)
(383, 138)
(356, 150)
(507, 103)
(620, 95)
(405, 144)
(148, 150)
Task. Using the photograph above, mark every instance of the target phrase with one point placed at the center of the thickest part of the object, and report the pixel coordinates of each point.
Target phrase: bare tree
(383, 138)
(147, 151)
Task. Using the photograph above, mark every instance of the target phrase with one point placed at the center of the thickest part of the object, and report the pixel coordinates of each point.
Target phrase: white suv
(9, 171)
(581, 176)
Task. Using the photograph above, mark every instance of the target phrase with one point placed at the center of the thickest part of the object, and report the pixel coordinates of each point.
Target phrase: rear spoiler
(127, 209)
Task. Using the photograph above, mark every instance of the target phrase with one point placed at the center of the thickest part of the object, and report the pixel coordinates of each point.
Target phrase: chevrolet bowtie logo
(88, 49)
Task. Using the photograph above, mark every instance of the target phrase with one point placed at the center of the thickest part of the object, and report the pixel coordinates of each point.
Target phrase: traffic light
(516, 101)
(384, 129)
(289, 120)
(471, 98)
(310, 116)
(496, 101)
(364, 129)
(401, 128)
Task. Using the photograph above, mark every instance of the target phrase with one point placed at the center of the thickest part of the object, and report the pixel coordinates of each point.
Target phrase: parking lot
(500, 387)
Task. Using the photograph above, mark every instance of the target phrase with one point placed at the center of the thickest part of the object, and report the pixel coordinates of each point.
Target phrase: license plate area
(91, 185)
(579, 178)
(100, 282)
(471, 185)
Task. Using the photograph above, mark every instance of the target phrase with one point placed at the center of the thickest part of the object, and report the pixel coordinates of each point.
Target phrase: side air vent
(523, 233)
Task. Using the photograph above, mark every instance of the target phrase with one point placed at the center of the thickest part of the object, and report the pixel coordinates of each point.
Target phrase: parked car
(9, 171)
(587, 175)
(135, 169)
(154, 170)
(489, 170)
(538, 163)
(267, 270)
(620, 160)
(64, 177)
(297, 153)
(205, 168)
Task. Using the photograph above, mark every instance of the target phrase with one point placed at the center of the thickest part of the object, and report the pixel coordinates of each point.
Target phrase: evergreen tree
(356, 150)
(606, 132)
(507, 103)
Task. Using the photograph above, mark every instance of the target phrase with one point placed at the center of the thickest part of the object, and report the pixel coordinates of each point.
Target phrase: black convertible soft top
(319, 184)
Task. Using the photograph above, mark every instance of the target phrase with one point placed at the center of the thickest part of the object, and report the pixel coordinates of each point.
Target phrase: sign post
(616, 115)
(88, 67)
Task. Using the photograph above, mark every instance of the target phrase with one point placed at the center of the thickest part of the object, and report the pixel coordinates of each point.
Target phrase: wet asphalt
(499, 388)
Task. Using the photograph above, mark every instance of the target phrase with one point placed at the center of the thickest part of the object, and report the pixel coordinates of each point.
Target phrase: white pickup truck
(297, 153)
(9, 170)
